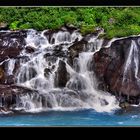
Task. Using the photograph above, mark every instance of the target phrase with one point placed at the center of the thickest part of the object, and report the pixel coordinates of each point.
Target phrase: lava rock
(109, 65)
(61, 76)
(11, 44)
(10, 93)
(75, 49)
(10, 80)
(30, 49)
(47, 71)
(2, 76)
(3, 26)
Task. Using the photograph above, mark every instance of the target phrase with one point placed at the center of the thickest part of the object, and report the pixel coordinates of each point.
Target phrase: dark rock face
(49, 33)
(30, 49)
(9, 93)
(75, 49)
(11, 44)
(62, 76)
(10, 79)
(115, 68)
(47, 71)
(2, 75)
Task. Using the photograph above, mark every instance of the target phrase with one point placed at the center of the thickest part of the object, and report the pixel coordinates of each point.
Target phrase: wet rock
(69, 27)
(58, 48)
(11, 44)
(49, 34)
(47, 55)
(1, 73)
(50, 58)
(9, 94)
(14, 34)
(75, 49)
(2, 76)
(103, 102)
(61, 76)
(72, 93)
(47, 71)
(10, 80)
(102, 86)
(109, 66)
(30, 49)
(17, 64)
(13, 89)
(5, 78)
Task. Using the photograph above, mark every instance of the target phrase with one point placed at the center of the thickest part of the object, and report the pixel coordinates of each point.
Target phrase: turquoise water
(73, 118)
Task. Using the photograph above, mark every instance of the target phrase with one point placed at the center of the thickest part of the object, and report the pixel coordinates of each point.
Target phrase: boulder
(11, 44)
(9, 94)
(30, 49)
(2, 76)
(61, 76)
(115, 68)
(75, 49)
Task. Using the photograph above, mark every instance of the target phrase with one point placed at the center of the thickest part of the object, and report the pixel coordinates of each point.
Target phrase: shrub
(116, 21)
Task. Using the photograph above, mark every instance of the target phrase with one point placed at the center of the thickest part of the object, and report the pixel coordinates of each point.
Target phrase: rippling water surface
(91, 118)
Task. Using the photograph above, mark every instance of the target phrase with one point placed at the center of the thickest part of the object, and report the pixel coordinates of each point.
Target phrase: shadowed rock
(9, 94)
(110, 68)
(62, 76)
(11, 44)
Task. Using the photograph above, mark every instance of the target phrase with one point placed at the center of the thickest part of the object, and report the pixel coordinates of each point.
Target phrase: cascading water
(11, 66)
(132, 62)
(38, 72)
(85, 81)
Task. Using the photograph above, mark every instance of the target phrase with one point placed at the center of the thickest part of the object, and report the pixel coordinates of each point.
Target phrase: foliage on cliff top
(116, 21)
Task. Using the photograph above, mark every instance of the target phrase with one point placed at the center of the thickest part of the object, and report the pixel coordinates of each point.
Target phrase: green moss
(116, 21)
(85, 29)
(14, 25)
(25, 26)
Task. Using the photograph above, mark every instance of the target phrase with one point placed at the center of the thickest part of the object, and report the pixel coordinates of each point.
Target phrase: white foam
(88, 97)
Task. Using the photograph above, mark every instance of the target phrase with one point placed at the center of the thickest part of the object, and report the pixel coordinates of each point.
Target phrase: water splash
(85, 81)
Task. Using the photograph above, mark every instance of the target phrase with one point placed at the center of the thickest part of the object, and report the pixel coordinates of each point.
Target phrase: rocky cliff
(33, 68)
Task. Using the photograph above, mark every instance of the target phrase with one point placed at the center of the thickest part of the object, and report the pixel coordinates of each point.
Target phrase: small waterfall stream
(39, 71)
(132, 62)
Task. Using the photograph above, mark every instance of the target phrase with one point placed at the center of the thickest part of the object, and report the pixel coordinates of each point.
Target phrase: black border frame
(69, 3)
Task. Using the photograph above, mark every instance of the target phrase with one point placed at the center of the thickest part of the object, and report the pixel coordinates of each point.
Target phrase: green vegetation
(116, 21)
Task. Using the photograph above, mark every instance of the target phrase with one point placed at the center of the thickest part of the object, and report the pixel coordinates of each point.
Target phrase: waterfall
(11, 66)
(85, 81)
(132, 62)
(41, 68)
